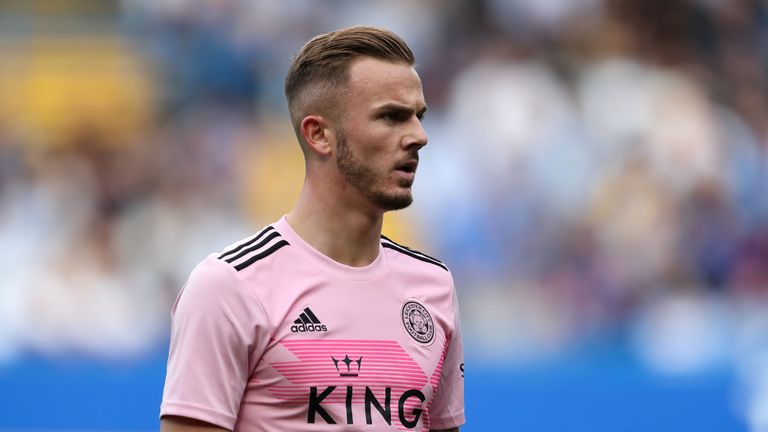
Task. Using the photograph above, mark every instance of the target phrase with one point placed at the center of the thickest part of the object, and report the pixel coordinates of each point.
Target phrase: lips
(408, 166)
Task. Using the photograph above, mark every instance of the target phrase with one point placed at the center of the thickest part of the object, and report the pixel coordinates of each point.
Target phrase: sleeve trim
(197, 412)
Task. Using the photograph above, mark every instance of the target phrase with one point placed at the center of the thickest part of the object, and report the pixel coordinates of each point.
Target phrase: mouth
(408, 166)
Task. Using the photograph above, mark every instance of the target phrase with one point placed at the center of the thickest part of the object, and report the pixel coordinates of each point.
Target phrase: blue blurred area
(605, 391)
(51, 393)
(599, 389)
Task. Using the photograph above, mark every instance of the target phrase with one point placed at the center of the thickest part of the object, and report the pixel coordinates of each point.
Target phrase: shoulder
(220, 283)
(413, 257)
(260, 247)
(211, 284)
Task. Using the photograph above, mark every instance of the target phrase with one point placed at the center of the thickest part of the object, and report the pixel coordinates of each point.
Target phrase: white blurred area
(594, 168)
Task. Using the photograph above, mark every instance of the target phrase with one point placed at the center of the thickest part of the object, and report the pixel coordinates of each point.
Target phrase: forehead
(375, 82)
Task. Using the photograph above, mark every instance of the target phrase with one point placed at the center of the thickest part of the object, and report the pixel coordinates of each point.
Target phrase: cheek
(371, 134)
(373, 145)
(373, 153)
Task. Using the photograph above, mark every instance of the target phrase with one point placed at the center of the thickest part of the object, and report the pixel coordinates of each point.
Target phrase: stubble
(367, 181)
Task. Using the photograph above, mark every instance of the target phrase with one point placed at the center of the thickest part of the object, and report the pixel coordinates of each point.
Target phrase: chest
(347, 350)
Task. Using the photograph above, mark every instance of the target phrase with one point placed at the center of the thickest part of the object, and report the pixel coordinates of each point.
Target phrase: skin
(352, 171)
(340, 213)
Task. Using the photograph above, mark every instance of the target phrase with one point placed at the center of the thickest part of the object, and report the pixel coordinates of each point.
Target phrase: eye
(394, 116)
(399, 115)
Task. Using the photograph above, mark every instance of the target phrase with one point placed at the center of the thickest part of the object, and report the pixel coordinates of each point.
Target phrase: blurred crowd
(596, 168)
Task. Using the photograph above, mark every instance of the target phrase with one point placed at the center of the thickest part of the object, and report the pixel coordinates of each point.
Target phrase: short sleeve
(447, 409)
(218, 333)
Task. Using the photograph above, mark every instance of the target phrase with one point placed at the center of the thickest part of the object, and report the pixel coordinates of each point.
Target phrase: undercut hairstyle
(320, 71)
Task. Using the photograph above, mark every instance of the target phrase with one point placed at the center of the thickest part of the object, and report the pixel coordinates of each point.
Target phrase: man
(318, 322)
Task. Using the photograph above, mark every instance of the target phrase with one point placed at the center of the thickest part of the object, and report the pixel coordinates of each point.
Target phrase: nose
(416, 136)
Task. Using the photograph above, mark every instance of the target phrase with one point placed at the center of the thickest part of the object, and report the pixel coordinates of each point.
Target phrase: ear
(317, 134)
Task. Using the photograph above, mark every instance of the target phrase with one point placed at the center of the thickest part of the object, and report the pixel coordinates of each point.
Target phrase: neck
(346, 233)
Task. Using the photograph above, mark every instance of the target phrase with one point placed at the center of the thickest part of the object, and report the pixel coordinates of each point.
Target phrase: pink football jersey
(272, 335)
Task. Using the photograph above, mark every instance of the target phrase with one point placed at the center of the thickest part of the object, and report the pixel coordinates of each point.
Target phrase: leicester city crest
(418, 322)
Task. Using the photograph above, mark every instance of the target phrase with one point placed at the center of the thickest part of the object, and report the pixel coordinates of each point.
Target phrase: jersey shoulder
(258, 247)
(388, 243)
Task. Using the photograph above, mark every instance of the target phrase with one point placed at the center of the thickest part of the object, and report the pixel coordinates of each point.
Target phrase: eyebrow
(392, 106)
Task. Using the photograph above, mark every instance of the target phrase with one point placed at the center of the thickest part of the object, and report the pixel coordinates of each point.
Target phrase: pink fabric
(284, 338)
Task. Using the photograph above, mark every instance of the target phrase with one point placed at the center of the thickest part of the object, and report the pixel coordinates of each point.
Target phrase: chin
(389, 202)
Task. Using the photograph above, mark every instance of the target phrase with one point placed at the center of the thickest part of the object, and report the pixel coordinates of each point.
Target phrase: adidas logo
(307, 322)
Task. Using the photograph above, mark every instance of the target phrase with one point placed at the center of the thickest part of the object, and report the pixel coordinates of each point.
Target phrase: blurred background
(597, 179)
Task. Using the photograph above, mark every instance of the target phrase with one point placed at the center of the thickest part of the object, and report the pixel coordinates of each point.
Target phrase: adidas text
(301, 328)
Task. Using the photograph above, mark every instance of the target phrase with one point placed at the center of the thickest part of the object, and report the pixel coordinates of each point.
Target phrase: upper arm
(184, 424)
(217, 335)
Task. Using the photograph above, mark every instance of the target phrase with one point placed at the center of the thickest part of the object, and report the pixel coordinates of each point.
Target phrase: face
(380, 133)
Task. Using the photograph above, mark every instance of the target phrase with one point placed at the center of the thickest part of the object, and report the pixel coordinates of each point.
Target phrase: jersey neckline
(370, 271)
